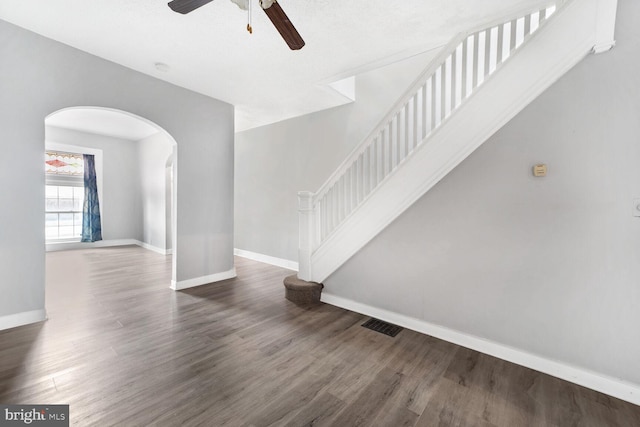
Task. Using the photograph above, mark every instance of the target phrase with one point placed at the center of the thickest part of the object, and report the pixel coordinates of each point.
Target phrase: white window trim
(97, 153)
(66, 181)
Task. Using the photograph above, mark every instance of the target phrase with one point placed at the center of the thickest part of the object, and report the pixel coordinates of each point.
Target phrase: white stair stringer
(571, 34)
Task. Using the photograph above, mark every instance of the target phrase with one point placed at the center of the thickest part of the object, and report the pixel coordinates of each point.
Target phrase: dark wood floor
(122, 349)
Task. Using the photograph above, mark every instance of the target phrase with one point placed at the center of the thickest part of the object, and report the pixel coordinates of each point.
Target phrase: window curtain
(91, 228)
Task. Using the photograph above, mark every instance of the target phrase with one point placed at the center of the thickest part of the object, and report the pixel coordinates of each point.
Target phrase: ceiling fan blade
(284, 26)
(186, 6)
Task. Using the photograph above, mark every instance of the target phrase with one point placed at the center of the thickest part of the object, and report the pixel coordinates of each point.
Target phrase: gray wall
(153, 153)
(274, 162)
(120, 201)
(39, 76)
(548, 265)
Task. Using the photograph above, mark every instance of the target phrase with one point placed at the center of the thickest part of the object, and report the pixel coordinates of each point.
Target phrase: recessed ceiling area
(102, 121)
(210, 51)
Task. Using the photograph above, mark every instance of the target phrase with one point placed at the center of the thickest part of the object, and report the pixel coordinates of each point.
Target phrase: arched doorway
(131, 155)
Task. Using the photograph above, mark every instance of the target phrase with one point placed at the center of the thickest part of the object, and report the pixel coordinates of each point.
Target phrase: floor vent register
(382, 327)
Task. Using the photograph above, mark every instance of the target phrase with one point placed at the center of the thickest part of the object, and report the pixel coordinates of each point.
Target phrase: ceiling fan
(270, 7)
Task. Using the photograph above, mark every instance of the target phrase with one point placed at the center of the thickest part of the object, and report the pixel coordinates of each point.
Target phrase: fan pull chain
(249, 27)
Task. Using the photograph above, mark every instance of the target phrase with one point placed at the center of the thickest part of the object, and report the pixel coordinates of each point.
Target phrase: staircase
(481, 80)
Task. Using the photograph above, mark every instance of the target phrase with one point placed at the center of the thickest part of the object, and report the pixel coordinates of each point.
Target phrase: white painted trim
(615, 387)
(67, 246)
(603, 47)
(204, 280)
(154, 248)
(605, 21)
(24, 318)
(267, 259)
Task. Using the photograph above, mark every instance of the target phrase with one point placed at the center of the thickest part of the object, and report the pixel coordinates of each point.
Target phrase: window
(64, 211)
(64, 195)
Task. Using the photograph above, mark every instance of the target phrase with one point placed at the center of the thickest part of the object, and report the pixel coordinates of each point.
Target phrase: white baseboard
(66, 246)
(24, 318)
(154, 248)
(267, 259)
(198, 281)
(615, 387)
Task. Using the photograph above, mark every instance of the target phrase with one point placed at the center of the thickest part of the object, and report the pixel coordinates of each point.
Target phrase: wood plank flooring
(122, 349)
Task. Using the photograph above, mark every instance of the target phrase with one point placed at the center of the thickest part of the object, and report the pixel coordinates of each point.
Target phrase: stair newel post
(306, 220)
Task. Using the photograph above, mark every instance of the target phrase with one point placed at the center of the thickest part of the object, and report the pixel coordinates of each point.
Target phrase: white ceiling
(102, 122)
(210, 51)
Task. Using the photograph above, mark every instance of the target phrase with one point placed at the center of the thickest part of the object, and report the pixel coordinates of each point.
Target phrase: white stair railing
(453, 76)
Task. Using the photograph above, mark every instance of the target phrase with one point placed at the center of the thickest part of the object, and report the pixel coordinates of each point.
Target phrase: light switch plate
(636, 207)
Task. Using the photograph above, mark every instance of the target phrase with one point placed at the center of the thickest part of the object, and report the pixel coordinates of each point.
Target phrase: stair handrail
(397, 107)
(322, 213)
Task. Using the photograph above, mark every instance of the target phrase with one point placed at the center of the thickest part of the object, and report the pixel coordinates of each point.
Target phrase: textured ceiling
(210, 51)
